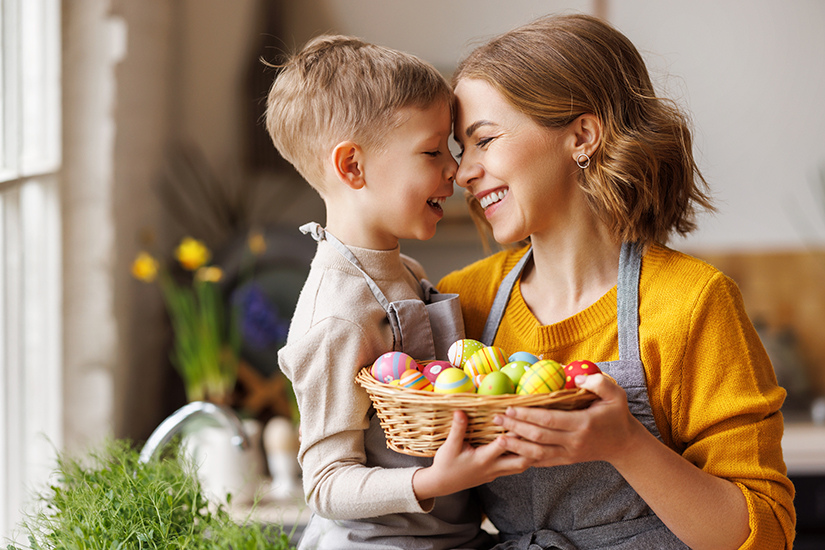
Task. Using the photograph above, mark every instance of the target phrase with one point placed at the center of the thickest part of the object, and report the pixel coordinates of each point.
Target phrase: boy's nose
(452, 169)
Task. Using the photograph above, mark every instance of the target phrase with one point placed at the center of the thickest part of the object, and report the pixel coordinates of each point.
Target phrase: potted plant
(111, 500)
(206, 338)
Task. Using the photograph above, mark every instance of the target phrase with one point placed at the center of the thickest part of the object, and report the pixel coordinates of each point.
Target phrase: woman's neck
(570, 272)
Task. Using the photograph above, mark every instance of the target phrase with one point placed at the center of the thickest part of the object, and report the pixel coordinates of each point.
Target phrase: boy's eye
(432, 153)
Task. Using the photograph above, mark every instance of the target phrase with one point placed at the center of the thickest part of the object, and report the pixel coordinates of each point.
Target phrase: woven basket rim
(408, 395)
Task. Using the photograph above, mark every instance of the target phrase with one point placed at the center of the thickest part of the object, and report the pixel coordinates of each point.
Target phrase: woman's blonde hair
(341, 88)
(642, 181)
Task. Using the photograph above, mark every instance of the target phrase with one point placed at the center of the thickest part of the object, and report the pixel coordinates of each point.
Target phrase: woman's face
(523, 174)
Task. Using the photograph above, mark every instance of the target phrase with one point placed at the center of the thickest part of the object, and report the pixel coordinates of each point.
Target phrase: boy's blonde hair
(340, 88)
(642, 181)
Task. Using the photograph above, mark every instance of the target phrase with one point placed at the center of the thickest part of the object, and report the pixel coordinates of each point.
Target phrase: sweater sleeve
(726, 412)
(322, 365)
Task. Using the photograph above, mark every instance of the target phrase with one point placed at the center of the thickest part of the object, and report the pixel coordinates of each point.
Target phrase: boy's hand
(458, 466)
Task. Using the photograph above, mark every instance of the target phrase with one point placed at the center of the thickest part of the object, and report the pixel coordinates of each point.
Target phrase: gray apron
(423, 330)
(587, 505)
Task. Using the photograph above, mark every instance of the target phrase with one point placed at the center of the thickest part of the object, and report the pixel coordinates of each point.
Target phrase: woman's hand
(457, 465)
(603, 431)
(704, 511)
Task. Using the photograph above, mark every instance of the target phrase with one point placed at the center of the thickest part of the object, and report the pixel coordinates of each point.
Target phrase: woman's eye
(483, 142)
(459, 154)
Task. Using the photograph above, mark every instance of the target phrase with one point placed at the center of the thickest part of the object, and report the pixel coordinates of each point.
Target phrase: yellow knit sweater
(711, 385)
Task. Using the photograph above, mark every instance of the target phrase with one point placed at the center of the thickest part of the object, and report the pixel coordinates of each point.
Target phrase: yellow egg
(485, 361)
(453, 380)
(545, 376)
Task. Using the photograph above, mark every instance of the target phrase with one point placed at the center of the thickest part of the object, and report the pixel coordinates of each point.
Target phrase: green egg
(496, 383)
(515, 370)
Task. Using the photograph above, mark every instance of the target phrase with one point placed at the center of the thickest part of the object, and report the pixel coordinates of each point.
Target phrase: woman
(565, 144)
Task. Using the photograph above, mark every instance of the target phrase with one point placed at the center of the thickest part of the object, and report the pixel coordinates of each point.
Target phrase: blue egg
(523, 356)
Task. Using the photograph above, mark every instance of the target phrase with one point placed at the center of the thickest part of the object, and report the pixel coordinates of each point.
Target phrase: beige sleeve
(322, 365)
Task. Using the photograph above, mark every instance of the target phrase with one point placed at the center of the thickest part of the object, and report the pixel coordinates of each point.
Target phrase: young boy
(368, 128)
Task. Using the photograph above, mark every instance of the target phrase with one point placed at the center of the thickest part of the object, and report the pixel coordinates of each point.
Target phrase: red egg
(575, 368)
(432, 369)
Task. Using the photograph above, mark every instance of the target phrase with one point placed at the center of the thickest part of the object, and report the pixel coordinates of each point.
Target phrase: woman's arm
(704, 511)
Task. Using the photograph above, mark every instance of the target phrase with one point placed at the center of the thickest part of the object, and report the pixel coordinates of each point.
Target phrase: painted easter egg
(515, 370)
(432, 369)
(575, 368)
(485, 361)
(496, 383)
(523, 356)
(545, 376)
(453, 380)
(477, 379)
(461, 350)
(391, 366)
(415, 380)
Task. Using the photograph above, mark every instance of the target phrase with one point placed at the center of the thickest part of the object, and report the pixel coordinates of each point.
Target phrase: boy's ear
(347, 160)
(587, 131)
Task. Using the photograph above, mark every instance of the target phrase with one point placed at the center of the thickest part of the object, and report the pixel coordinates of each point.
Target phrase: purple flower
(260, 321)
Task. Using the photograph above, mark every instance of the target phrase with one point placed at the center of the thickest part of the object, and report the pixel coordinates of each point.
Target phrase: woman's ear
(347, 159)
(587, 130)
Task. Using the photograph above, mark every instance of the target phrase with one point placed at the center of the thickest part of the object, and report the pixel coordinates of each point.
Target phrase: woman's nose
(466, 172)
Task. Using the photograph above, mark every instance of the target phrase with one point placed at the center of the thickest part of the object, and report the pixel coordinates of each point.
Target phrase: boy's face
(409, 178)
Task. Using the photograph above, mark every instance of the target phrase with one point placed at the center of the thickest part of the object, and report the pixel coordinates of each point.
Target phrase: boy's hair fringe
(643, 181)
(341, 88)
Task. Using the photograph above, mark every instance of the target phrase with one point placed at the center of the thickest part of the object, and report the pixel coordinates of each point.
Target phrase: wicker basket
(417, 422)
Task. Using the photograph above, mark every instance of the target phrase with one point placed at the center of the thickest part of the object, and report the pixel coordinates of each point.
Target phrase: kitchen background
(161, 100)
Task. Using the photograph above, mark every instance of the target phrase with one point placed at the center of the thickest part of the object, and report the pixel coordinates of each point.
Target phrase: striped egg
(461, 350)
(485, 361)
(414, 380)
(453, 380)
(545, 376)
(391, 366)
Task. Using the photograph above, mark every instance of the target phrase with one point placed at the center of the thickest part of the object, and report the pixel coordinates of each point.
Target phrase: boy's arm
(322, 365)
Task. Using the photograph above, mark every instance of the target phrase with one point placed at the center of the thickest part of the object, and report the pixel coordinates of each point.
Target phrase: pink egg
(391, 366)
(433, 369)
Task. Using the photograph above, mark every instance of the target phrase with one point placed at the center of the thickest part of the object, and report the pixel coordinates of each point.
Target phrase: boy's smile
(408, 178)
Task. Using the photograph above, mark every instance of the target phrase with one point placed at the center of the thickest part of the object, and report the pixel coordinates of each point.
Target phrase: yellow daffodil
(145, 267)
(211, 274)
(192, 253)
(256, 243)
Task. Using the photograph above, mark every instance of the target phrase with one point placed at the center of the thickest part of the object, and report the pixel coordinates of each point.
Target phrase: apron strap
(627, 302)
(318, 233)
(502, 298)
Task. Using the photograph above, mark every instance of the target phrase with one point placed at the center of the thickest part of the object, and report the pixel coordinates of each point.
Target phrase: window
(30, 284)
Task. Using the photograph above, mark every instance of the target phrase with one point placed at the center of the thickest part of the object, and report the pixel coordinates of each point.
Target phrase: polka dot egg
(575, 368)
(461, 350)
(391, 366)
(432, 369)
(545, 376)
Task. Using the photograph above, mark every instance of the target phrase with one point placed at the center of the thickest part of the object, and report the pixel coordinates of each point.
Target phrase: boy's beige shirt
(338, 328)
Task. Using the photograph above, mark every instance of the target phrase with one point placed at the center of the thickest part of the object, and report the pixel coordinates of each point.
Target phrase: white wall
(752, 73)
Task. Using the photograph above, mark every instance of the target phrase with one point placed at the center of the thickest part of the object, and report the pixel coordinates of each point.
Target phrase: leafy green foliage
(118, 503)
